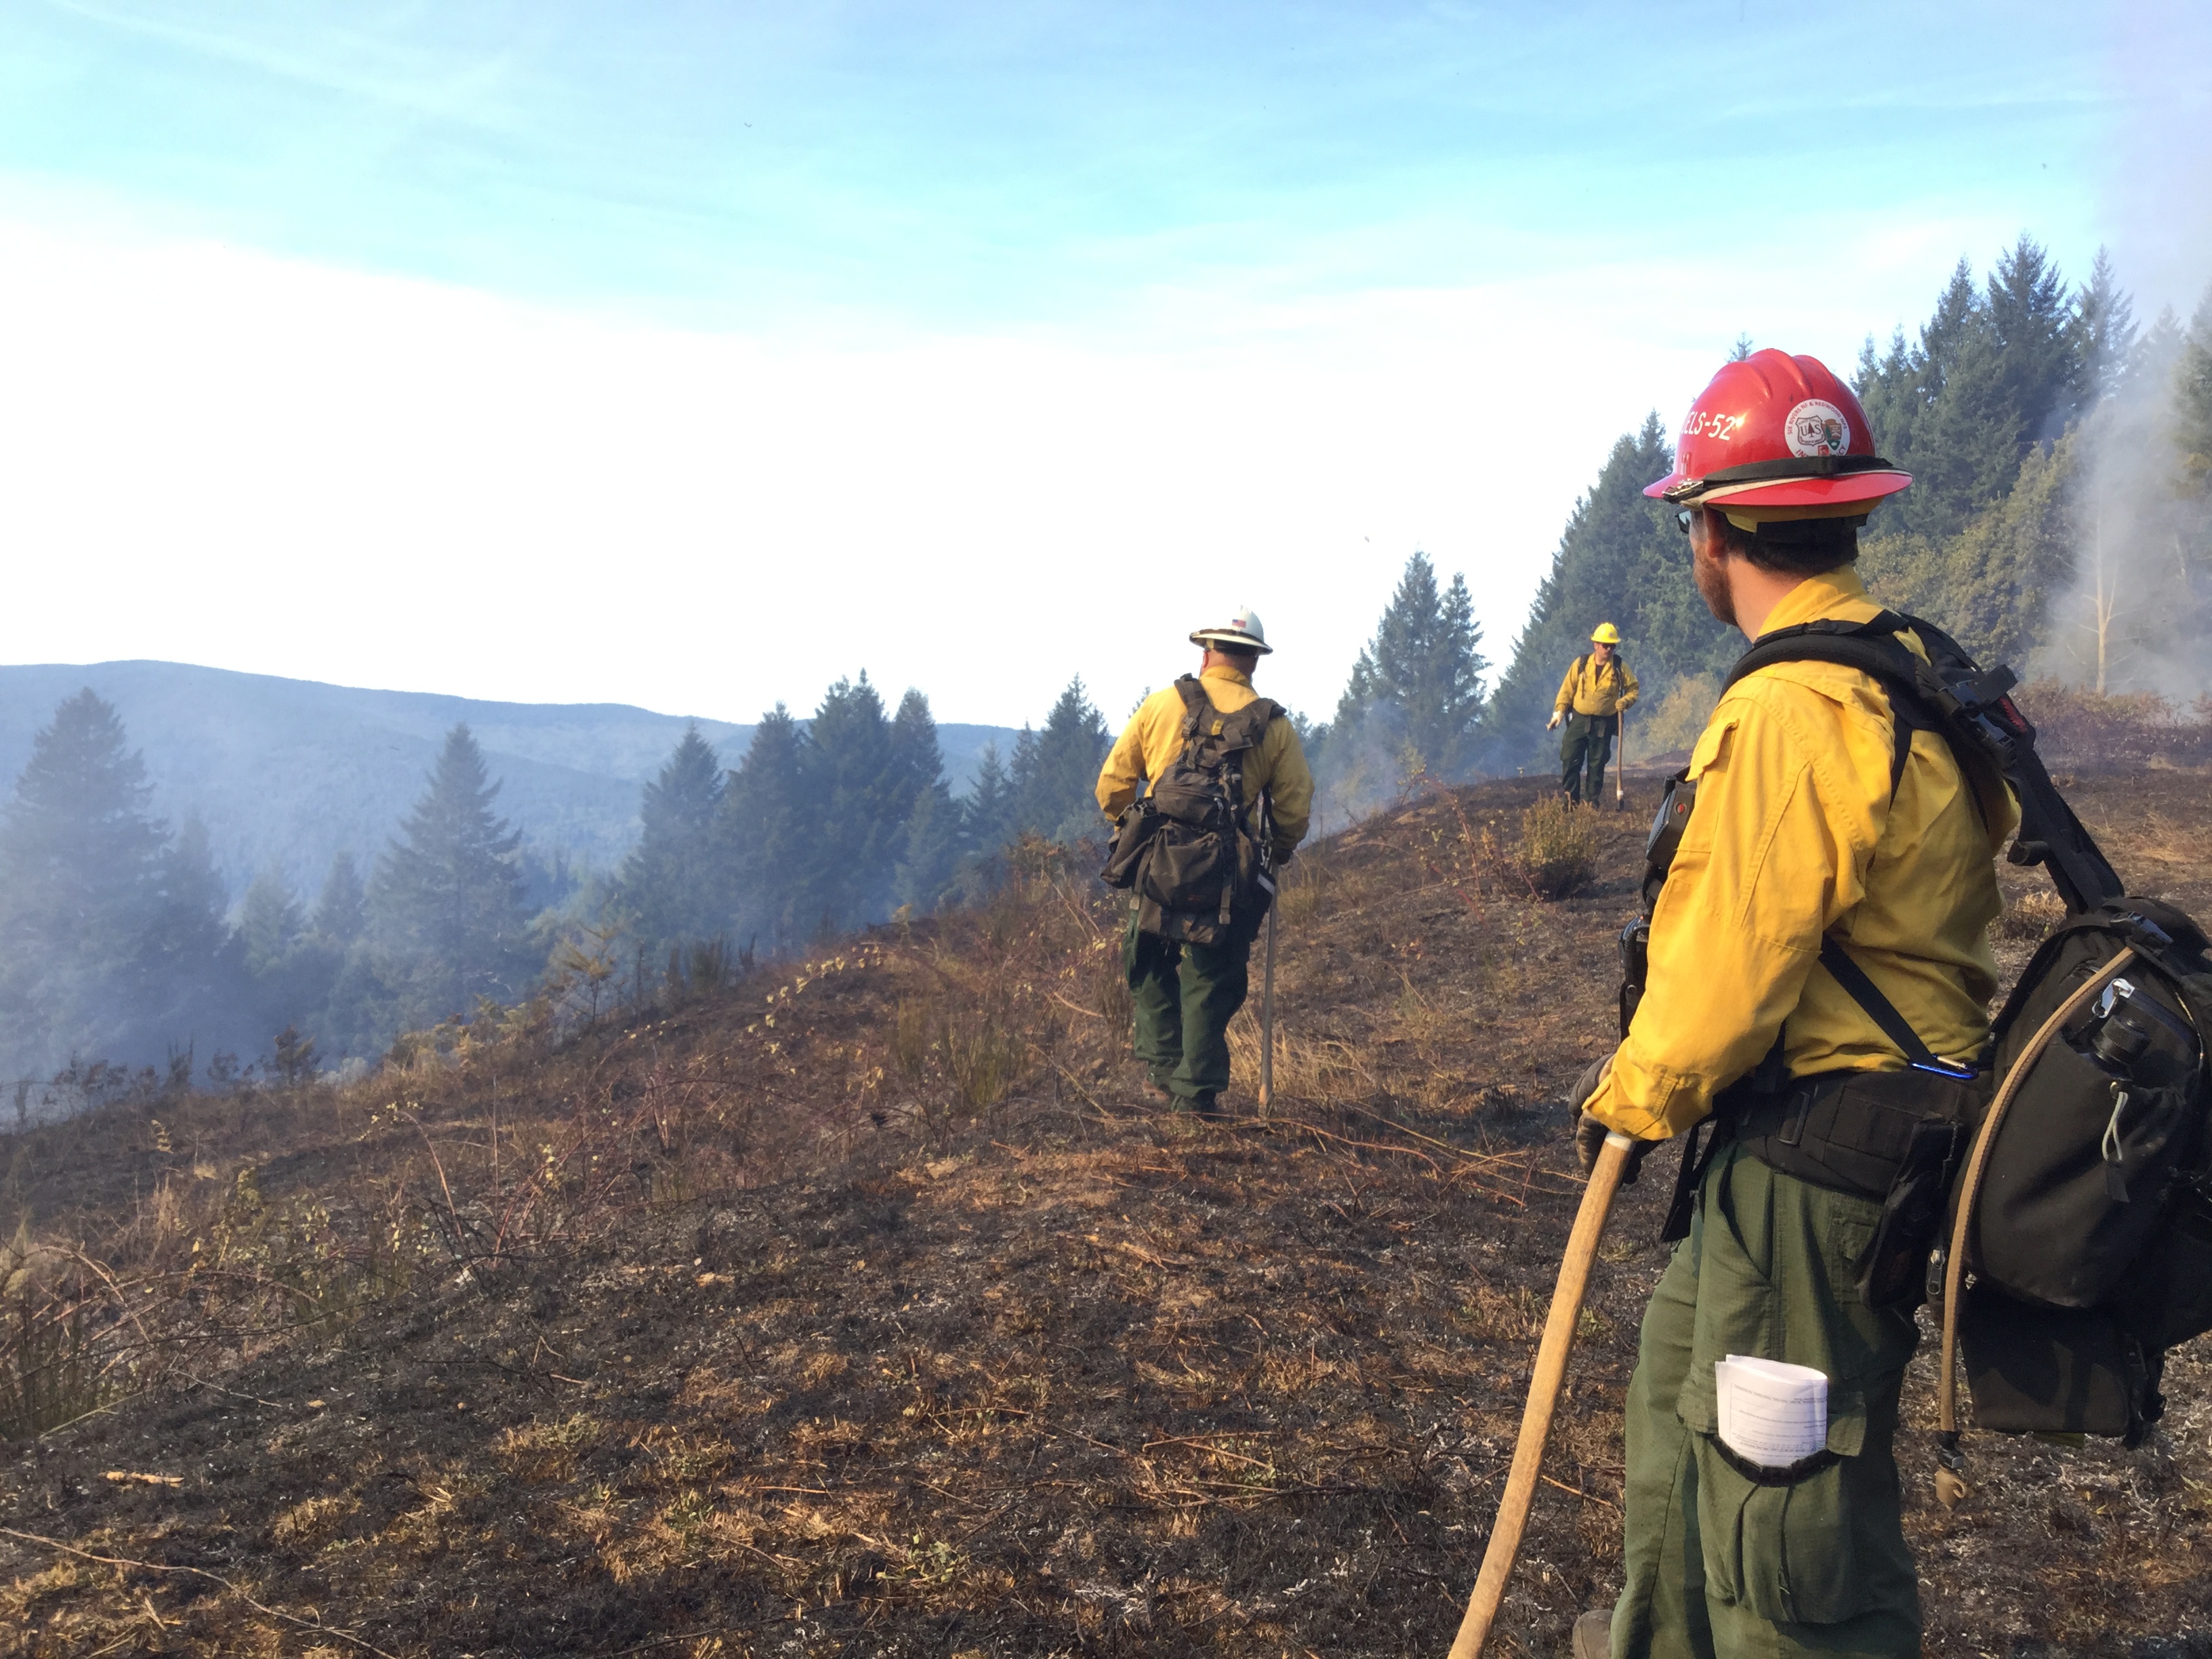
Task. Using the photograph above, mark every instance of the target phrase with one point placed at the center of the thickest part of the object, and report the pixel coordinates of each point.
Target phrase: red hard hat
(1775, 431)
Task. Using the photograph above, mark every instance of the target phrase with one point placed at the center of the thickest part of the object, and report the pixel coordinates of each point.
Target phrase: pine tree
(673, 884)
(270, 920)
(1056, 771)
(2192, 403)
(931, 843)
(856, 793)
(988, 812)
(341, 911)
(2037, 330)
(2104, 333)
(79, 852)
(935, 847)
(1419, 682)
(1997, 370)
(81, 879)
(447, 900)
(191, 967)
(917, 762)
(764, 831)
(1621, 560)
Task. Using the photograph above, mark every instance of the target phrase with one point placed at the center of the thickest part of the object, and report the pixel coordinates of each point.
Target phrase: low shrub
(1558, 852)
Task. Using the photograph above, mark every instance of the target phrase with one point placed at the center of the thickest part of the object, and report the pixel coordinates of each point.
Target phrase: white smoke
(2134, 617)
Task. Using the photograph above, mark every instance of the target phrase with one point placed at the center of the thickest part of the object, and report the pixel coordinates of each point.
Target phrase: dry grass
(1313, 1071)
(2090, 730)
(799, 1351)
(2030, 918)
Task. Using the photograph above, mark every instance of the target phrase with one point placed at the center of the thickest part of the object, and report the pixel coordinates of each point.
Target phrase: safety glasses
(1682, 521)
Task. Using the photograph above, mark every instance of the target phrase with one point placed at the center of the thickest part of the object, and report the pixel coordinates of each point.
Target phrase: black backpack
(2074, 1238)
(1197, 852)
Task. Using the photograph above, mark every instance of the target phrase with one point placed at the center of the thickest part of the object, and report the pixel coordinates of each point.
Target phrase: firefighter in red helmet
(1814, 837)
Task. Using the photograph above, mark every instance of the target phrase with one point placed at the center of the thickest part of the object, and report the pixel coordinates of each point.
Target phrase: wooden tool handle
(1267, 1021)
(1543, 1398)
(1620, 763)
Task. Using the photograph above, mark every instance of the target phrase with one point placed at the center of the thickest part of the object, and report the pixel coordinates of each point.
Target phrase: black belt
(1848, 1132)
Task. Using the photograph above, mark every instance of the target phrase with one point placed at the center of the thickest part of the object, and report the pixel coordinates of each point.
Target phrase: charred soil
(865, 1306)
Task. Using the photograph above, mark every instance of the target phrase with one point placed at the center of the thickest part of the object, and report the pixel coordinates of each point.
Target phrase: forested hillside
(129, 961)
(2060, 517)
(254, 889)
(288, 772)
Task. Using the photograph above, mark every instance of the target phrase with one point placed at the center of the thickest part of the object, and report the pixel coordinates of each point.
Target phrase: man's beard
(1713, 588)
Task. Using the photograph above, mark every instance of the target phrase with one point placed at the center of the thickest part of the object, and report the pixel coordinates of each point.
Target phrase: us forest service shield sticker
(1817, 427)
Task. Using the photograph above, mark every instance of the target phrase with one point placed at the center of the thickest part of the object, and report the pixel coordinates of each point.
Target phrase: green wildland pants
(1718, 1566)
(1185, 996)
(1586, 737)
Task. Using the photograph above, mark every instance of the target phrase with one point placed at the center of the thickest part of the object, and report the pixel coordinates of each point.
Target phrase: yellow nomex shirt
(1151, 742)
(1591, 689)
(1796, 834)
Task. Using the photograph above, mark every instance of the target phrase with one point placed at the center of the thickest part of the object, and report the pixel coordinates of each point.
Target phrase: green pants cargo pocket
(1786, 1550)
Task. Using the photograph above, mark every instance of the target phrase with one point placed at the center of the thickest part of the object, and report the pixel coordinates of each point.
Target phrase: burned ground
(992, 1358)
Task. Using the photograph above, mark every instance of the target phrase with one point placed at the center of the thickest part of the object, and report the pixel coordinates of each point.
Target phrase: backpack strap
(1196, 705)
(1883, 1012)
(1973, 712)
(1215, 742)
(1869, 652)
(1249, 724)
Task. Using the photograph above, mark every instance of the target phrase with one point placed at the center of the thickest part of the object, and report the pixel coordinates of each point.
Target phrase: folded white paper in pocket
(1772, 1413)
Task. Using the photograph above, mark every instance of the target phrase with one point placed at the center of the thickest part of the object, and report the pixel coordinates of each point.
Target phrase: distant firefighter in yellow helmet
(1598, 686)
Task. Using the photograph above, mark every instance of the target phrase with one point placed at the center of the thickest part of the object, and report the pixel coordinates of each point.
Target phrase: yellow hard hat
(1605, 633)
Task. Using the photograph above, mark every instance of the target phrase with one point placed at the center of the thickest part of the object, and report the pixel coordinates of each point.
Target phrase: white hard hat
(1242, 633)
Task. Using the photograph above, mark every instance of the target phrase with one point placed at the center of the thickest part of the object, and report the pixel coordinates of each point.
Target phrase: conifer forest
(2061, 520)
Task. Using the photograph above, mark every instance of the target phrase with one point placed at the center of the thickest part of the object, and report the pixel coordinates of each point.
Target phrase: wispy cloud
(621, 333)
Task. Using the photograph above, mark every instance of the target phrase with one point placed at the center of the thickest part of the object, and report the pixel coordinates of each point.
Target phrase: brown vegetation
(2091, 732)
(861, 1305)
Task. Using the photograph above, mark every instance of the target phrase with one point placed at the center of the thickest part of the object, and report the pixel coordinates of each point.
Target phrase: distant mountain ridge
(290, 771)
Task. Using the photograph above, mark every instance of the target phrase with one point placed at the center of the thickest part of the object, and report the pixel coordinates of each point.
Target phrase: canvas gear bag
(1197, 853)
(2061, 1208)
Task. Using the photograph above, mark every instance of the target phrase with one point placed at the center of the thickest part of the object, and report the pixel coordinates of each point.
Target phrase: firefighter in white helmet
(1209, 793)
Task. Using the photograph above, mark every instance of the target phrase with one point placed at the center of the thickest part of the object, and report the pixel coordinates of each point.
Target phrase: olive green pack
(1195, 850)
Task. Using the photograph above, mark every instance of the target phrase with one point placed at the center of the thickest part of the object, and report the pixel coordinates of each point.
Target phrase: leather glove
(1552, 724)
(1590, 1132)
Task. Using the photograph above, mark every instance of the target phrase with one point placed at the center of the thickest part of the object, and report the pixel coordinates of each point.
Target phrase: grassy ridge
(862, 1305)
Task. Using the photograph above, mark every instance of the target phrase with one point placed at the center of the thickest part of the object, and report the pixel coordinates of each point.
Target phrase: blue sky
(695, 355)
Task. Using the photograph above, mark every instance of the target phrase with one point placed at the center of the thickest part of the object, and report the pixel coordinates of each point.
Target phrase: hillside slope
(293, 770)
(865, 1307)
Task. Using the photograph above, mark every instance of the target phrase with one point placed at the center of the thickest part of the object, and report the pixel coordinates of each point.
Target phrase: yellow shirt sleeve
(1123, 773)
(1774, 852)
(1565, 703)
(1280, 768)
